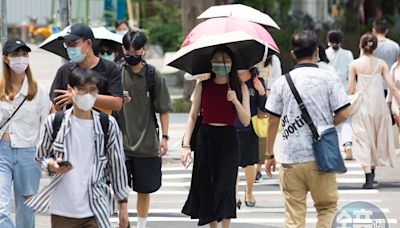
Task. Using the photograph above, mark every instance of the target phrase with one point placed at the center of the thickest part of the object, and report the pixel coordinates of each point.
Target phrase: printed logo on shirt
(252, 92)
(290, 128)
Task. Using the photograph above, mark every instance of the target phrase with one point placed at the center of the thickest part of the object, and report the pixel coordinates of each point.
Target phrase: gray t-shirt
(322, 93)
(388, 50)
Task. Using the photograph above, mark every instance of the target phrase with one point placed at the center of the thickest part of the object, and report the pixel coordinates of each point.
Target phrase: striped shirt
(108, 166)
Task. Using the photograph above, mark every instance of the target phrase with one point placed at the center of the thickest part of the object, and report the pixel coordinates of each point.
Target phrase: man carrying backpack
(143, 149)
(82, 151)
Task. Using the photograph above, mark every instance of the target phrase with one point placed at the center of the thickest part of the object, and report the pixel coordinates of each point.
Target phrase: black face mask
(133, 60)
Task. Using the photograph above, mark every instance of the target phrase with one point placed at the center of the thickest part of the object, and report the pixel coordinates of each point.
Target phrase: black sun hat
(13, 45)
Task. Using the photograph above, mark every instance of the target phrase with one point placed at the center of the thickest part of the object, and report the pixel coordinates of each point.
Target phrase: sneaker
(349, 153)
(259, 177)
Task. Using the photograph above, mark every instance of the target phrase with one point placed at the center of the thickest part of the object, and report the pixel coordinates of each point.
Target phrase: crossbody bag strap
(306, 116)
(19, 106)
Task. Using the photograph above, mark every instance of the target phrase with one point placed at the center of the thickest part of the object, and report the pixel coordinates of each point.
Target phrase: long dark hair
(321, 53)
(234, 82)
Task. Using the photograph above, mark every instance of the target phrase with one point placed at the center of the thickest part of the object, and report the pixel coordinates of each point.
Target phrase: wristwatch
(269, 157)
(165, 137)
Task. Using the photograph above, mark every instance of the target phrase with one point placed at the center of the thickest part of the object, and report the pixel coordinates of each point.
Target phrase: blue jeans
(17, 168)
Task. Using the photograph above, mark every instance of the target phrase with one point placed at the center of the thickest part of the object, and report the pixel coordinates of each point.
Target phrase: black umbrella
(195, 58)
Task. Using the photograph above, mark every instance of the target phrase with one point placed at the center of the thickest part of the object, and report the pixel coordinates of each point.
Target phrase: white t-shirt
(322, 93)
(70, 197)
(340, 60)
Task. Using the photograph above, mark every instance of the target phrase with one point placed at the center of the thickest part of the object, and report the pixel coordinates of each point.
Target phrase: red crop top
(215, 107)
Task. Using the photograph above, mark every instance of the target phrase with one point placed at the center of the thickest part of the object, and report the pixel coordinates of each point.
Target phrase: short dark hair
(135, 38)
(121, 22)
(380, 26)
(368, 43)
(81, 76)
(304, 43)
(321, 53)
(335, 36)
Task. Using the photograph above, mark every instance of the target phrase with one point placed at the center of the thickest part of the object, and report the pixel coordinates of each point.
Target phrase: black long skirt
(212, 191)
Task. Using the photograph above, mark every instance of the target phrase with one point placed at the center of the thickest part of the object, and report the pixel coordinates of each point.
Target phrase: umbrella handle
(226, 73)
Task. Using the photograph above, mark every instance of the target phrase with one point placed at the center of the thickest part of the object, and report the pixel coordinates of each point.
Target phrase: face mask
(75, 54)
(133, 60)
(221, 69)
(19, 64)
(108, 57)
(84, 102)
(122, 32)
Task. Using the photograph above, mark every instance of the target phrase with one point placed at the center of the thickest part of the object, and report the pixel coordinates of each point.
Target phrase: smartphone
(64, 163)
(188, 162)
(125, 93)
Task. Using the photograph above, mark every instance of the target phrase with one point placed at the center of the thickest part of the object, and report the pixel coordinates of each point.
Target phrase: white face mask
(19, 64)
(84, 102)
(122, 32)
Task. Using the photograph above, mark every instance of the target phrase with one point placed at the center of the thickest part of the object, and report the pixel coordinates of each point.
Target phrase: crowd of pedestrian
(98, 136)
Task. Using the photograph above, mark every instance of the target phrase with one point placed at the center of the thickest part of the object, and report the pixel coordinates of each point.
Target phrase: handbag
(326, 146)
(19, 106)
(260, 126)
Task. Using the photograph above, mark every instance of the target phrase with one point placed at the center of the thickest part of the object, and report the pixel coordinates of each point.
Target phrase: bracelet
(165, 137)
(186, 146)
(123, 201)
(269, 157)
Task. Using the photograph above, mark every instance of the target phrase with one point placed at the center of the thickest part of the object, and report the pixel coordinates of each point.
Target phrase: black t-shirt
(112, 85)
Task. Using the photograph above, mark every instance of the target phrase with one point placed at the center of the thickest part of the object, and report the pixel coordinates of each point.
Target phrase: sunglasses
(108, 52)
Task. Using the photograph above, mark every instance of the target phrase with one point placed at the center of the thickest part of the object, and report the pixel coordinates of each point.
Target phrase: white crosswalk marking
(166, 204)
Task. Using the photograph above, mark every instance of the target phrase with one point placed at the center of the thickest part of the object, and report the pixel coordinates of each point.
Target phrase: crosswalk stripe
(348, 165)
(173, 192)
(237, 220)
(265, 182)
(242, 174)
(243, 210)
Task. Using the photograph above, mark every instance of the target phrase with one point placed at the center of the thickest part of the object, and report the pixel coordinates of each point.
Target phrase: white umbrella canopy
(239, 11)
(54, 45)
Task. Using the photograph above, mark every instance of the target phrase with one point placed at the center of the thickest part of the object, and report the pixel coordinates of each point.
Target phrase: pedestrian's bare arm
(273, 124)
(243, 109)
(194, 112)
(164, 119)
(341, 116)
(270, 163)
(352, 79)
(390, 84)
(109, 102)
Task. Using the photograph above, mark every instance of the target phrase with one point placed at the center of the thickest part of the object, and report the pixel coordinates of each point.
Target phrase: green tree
(164, 25)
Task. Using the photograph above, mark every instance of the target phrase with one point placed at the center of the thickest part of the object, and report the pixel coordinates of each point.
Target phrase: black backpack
(59, 116)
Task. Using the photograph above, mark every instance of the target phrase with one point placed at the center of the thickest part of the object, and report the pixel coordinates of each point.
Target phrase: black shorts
(144, 174)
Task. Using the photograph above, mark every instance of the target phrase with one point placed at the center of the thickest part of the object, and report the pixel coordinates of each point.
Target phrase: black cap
(78, 31)
(13, 44)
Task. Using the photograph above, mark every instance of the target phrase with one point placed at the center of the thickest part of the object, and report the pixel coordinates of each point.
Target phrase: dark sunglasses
(109, 52)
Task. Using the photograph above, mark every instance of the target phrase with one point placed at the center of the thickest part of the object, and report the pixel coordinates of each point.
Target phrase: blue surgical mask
(221, 69)
(108, 57)
(75, 54)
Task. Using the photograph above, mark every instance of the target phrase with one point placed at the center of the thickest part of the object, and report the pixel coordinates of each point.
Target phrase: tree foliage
(164, 24)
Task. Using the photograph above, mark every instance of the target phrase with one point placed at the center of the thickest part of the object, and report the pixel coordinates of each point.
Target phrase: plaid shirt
(108, 166)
